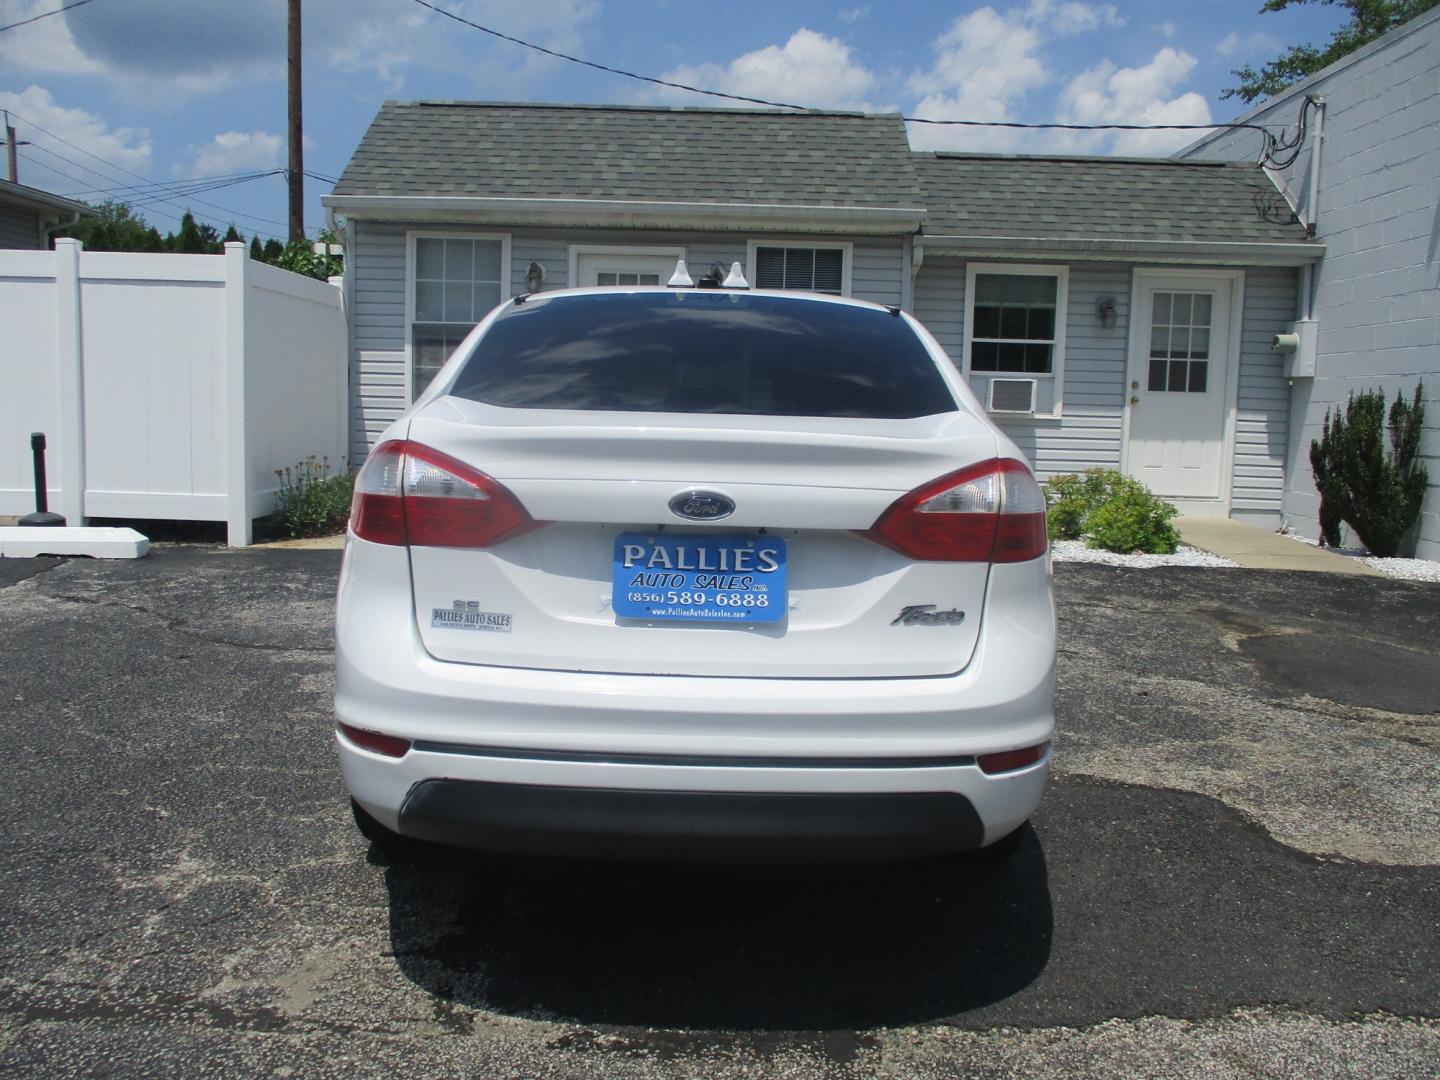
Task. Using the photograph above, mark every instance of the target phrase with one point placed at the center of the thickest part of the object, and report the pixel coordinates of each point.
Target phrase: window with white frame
(1015, 328)
(455, 281)
(812, 267)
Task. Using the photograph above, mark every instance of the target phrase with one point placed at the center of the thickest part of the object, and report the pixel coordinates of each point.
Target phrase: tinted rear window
(704, 351)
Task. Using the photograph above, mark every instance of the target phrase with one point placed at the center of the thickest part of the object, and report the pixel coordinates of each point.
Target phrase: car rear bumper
(763, 827)
(740, 810)
(668, 736)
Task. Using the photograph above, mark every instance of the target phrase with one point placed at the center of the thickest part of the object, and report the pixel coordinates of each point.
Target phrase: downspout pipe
(1312, 204)
(49, 230)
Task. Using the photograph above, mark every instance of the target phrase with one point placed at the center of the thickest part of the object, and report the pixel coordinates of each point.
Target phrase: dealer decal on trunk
(466, 615)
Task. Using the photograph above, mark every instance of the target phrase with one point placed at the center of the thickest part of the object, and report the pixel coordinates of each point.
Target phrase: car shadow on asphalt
(769, 949)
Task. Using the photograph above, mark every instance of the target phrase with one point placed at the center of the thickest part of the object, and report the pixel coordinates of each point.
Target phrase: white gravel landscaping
(1076, 551)
(1404, 569)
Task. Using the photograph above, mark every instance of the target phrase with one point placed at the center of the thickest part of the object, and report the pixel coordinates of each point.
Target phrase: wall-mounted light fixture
(534, 277)
(1105, 311)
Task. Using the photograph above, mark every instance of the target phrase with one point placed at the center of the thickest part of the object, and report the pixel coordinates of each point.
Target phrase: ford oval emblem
(702, 505)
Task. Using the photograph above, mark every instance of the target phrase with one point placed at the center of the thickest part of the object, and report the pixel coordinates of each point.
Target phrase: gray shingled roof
(652, 153)
(1083, 198)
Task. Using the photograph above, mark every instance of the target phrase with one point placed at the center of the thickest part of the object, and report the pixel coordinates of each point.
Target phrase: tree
(116, 228)
(189, 240)
(1375, 489)
(1369, 19)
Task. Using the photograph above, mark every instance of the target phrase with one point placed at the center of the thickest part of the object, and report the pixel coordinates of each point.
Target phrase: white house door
(600, 268)
(1178, 388)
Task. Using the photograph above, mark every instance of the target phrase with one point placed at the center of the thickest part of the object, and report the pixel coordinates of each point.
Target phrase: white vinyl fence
(168, 386)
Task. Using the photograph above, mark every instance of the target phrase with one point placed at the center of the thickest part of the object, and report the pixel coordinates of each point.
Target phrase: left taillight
(412, 494)
(385, 745)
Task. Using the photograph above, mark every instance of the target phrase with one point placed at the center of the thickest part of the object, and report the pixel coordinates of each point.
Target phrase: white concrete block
(21, 542)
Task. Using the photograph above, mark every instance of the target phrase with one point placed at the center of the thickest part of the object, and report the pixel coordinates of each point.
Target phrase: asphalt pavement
(1234, 872)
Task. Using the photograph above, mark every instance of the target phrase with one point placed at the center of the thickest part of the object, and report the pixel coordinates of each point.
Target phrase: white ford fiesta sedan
(696, 574)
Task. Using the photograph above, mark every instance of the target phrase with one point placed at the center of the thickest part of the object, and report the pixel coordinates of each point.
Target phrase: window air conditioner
(1012, 396)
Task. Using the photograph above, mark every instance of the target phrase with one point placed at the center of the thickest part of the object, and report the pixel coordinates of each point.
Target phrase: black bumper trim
(689, 826)
(603, 757)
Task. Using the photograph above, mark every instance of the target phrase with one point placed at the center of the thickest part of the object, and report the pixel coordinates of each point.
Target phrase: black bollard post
(42, 515)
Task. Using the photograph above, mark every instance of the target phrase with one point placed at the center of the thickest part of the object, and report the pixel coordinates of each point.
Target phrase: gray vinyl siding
(378, 265)
(1087, 434)
(19, 228)
(1262, 404)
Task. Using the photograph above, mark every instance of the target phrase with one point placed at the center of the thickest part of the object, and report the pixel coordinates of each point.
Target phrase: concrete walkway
(1261, 549)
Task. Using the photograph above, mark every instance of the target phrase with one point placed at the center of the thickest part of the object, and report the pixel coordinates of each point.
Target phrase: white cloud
(144, 50)
(1167, 28)
(368, 36)
(48, 159)
(236, 152)
(984, 64)
(852, 15)
(809, 69)
(1107, 94)
(990, 66)
(148, 51)
(1064, 19)
(46, 45)
(1256, 44)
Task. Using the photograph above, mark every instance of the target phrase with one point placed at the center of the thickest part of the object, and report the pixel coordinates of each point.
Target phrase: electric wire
(1271, 143)
(131, 172)
(44, 15)
(154, 194)
(149, 202)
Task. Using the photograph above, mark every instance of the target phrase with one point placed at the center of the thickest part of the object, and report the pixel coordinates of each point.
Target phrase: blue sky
(170, 90)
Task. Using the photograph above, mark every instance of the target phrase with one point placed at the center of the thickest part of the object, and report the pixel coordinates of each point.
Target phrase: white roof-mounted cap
(736, 278)
(680, 279)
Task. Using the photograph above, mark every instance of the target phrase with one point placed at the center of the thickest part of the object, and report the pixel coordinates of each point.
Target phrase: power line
(155, 187)
(605, 67)
(153, 192)
(148, 201)
(44, 15)
(132, 172)
(1272, 144)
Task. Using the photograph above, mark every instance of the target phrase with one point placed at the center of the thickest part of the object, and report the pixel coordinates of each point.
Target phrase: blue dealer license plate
(715, 579)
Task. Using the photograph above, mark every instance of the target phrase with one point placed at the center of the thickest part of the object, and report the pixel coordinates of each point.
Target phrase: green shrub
(1112, 511)
(1134, 521)
(1073, 498)
(312, 502)
(1376, 491)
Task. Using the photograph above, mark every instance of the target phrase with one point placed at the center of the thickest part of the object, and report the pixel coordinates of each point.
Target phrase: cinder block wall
(1378, 290)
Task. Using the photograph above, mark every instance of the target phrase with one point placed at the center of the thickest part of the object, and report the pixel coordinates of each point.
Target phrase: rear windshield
(704, 351)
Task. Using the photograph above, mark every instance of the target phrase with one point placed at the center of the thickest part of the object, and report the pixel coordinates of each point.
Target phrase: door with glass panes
(622, 268)
(1178, 385)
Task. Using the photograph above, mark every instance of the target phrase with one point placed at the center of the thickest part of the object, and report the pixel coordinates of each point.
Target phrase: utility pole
(13, 173)
(295, 175)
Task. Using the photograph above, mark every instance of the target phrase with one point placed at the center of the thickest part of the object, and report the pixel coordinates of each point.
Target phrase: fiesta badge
(702, 505)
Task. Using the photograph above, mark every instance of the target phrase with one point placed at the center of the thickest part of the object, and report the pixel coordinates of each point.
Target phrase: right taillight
(991, 512)
(412, 494)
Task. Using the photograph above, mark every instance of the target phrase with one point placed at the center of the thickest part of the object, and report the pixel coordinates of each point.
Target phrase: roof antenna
(680, 279)
(736, 278)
